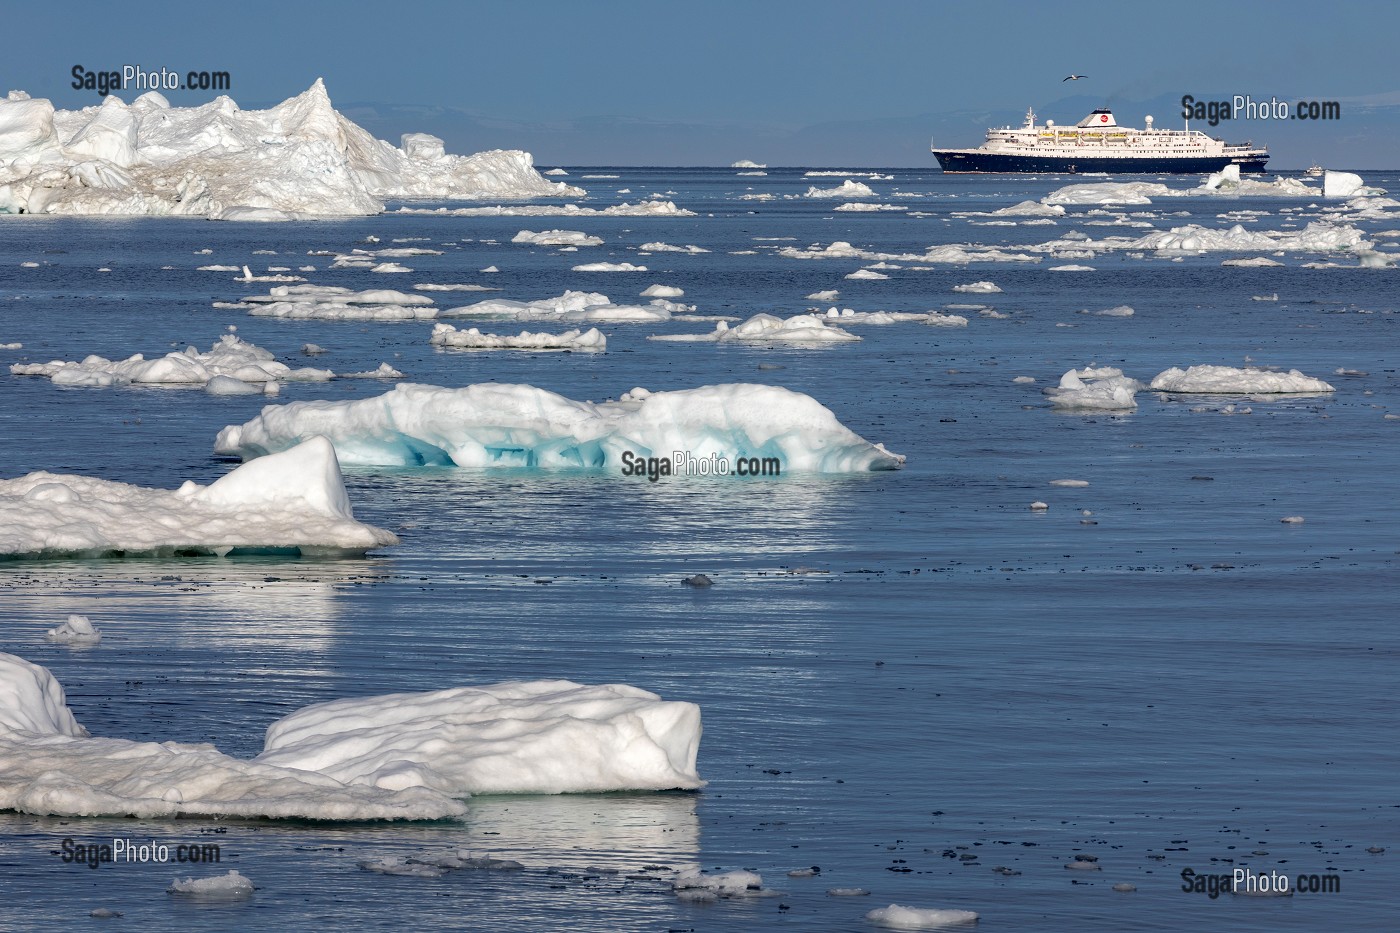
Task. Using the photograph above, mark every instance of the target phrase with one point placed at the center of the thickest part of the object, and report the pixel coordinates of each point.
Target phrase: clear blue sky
(756, 70)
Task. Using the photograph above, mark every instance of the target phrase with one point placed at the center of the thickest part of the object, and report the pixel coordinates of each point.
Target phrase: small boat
(1313, 171)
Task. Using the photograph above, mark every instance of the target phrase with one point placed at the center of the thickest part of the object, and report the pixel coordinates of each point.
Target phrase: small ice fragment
(231, 885)
(1024, 380)
(1125, 887)
(1038, 506)
(78, 630)
(804, 872)
(1069, 482)
(847, 892)
(1292, 519)
(699, 581)
(895, 917)
(105, 913)
(1082, 865)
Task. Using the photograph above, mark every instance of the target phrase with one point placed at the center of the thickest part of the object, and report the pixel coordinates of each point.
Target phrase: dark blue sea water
(952, 683)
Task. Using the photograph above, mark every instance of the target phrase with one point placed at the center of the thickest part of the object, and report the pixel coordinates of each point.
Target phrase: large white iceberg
(293, 501)
(502, 425)
(542, 737)
(1227, 380)
(300, 158)
(399, 756)
(590, 341)
(229, 358)
(803, 329)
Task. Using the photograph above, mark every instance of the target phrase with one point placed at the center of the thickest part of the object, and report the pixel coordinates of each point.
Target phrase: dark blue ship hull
(952, 161)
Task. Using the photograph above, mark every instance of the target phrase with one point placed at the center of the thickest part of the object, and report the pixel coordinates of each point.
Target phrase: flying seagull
(1073, 78)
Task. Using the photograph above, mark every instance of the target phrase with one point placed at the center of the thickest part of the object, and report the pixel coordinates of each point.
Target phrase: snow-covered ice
(538, 737)
(1104, 388)
(1346, 185)
(570, 307)
(847, 189)
(228, 357)
(650, 208)
(556, 238)
(503, 425)
(662, 291)
(985, 288)
(228, 886)
(609, 267)
(1227, 380)
(801, 329)
(659, 247)
(590, 341)
(301, 158)
(293, 501)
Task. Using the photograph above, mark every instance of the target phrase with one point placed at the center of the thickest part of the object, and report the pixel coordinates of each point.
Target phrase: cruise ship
(1098, 144)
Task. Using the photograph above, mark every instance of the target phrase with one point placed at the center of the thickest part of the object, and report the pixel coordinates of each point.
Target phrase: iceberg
(501, 425)
(391, 757)
(334, 303)
(1103, 389)
(847, 189)
(540, 737)
(590, 341)
(895, 917)
(805, 329)
(556, 238)
(1227, 380)
(229, 358)
(1346, 185)
(299, 159)
(295, 501)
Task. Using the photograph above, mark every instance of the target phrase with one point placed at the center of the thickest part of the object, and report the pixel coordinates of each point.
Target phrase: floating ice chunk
(828, 295)
(11, 346)
(390, 267)
(219, 269)
(541, 737)
(847, 892)
(1315, 237)
(333, 303)
(229, 356)
(428, 287)
(1117, 311)
(1292, 520)
(1227, 380)
(501, 425)
(1102, 389)
(227, 385)
(78, 630)
(1346, 185)
(1024, 380)
(662, 291)
(724, 884)
(572, 307)
(1108, 192)
(1070, 268)
(294, 501)
(1084, 865)
(656, 208)
(555, 171)
(50, 766)
(985, 288)
(382, 371)
(590, 341)
(868, 208)
(847, 189)
(399, 866)
(230, 886)
(1254, 262)
(658, 247)
(745, 163)
(895, 917)
(1071, 483)
(867, 274)
(767, 329)
(1030, 209)
(1123, 887)
(1038, 506)
(556, 238)
(609, 267)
